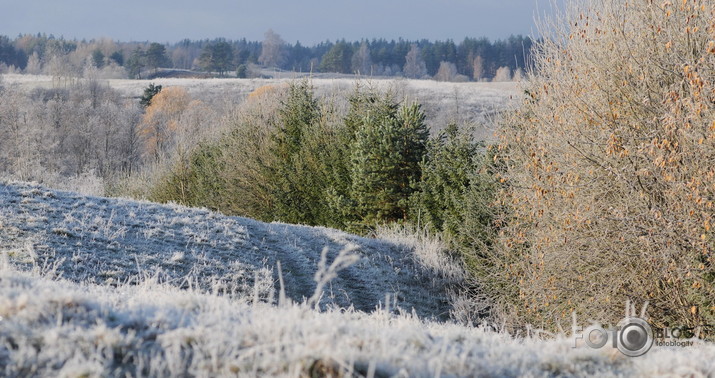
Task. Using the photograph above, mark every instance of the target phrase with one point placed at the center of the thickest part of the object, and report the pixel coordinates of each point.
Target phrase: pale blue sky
(309, 21)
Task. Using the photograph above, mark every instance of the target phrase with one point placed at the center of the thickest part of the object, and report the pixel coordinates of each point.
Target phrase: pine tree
(338, 59)
(217, 57)
(149, 93)
(156, 56)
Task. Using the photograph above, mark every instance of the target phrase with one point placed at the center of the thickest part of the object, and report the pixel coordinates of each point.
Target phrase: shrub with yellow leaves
(611, 168)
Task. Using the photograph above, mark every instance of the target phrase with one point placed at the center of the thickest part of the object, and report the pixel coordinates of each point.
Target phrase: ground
(93, 286)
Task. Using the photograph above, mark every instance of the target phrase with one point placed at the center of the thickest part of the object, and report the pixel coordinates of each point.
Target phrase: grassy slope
(52, 328)
(113, 241)
(162, 324)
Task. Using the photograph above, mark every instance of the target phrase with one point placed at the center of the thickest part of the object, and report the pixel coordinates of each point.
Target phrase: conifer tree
(389, 145)
(439, 201)
(294, 189)
(149, 93)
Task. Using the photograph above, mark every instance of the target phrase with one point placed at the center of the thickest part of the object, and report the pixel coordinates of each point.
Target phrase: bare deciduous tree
(362, 63)
(34, 65)
(415, 67)
(503, 74)
(273, 50)
(478, 68)
(447, 72)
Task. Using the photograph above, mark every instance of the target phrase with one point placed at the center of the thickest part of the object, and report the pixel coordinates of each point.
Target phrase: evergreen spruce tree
(338, 58)
(149, 93)
(292, 180)
(439, 202)
(389, 145)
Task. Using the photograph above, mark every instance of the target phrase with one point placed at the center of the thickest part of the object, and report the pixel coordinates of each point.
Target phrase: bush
(292, 158)
(610, 169)
(456, 200)
(196, 182)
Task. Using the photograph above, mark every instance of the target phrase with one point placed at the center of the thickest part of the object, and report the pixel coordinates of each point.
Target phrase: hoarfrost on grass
(57, 327)
(86, 290)
(110, 241)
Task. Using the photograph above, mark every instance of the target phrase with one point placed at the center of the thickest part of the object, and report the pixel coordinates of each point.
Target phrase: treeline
(470, 59)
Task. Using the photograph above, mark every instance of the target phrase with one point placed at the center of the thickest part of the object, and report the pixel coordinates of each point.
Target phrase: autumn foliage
(611, 170)
(165, 120)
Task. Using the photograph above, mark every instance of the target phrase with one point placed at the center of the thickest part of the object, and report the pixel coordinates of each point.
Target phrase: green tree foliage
(136, 63)
(196, 182)
(475, 226)
(242, 71)
(303, 163)
(457, 198)
(293, 186)
(117, 57)
(447, 170)
(338, 59)
(294, 158)
(217, 57)
(98, 58)
(11, 55)
(390, 142)
(156, 56)
(149, 93)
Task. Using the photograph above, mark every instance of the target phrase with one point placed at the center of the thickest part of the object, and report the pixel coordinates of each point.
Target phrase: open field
(473, 102)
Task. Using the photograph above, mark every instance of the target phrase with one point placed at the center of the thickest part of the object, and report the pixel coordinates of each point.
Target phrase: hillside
(94, 286)
(113, 241)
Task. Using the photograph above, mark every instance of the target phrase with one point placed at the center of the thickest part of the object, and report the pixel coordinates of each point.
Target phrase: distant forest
(472, 59)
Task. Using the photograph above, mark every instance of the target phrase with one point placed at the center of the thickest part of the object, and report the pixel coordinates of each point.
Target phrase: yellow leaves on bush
(615, 146)
(266, 91)
(162, 119)
(631, 129)
(262, 91)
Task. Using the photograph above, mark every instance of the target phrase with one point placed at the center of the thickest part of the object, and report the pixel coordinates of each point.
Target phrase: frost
(89, 292)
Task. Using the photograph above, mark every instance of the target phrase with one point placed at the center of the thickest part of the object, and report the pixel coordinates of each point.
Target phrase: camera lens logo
(635, 337)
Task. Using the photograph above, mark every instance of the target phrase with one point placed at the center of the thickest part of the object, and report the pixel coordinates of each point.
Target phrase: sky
(308, 21)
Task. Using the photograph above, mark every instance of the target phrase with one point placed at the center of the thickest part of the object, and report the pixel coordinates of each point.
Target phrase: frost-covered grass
(473, 102)
(113, 241)
(66, 329)
(93, 286)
